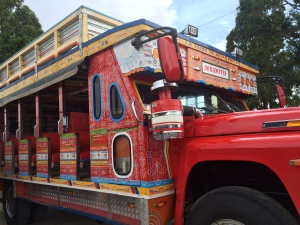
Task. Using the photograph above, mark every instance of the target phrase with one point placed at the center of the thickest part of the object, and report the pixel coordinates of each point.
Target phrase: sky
(203, 14)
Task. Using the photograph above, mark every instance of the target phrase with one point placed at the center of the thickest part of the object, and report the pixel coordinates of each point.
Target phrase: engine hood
(259, 121)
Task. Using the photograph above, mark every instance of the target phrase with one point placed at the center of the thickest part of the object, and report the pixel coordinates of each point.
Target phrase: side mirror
(281, 96)
(170, 59)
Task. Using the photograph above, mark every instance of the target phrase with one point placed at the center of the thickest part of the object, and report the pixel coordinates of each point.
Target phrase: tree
(18, 26)
(293, 41)
(265, 31)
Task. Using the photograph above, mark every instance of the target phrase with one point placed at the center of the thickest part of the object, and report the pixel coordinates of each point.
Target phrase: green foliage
(18, 26)
(268, 33)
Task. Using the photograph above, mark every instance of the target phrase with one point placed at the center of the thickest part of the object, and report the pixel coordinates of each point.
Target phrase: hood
(259, 121)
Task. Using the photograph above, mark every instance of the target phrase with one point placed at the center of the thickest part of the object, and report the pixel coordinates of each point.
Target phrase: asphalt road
(58, 217)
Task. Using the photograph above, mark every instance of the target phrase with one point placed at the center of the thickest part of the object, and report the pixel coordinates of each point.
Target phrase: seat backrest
(54, 137)
(15, 141)
(84, 140)
(32, 143)
(78, 121)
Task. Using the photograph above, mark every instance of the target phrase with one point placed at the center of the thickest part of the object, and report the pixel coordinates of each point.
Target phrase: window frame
(114, 85)
(113, 157)
(96, 76)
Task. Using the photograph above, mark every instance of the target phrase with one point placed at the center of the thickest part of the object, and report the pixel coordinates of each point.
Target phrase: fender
(274, 150)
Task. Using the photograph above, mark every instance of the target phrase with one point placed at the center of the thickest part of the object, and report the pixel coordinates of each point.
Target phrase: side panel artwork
(43, 151)
(9, 158)
(69, 160)
(99, 154)
(24, 157)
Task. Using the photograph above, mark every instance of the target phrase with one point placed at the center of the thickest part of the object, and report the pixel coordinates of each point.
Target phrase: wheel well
(207, 176)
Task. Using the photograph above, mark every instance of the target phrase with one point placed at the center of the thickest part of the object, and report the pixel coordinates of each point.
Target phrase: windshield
(209, 102)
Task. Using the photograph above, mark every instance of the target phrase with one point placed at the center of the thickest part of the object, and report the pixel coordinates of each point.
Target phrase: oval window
(122, 155)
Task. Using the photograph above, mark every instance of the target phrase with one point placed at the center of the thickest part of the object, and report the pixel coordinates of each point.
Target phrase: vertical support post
(85, 35)
(36, 58)
(19, 131)
(43, 145)
(38, 116)
(8, 69)
(56, 41)
(4, 135)
(21, 63)
(9, 149)
(6, 129)
(80, 32)
(61, 108)
(24, 145)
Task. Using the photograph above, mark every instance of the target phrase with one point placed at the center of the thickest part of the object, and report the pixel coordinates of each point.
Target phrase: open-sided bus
(136, 124)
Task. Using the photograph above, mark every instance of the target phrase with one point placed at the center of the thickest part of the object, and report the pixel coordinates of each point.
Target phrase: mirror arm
(137, 42)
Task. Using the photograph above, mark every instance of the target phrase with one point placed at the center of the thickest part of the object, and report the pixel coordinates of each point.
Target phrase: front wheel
(16, 211)
(238, 206)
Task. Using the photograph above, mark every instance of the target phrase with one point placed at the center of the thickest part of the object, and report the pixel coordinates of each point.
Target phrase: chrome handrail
(134, 111)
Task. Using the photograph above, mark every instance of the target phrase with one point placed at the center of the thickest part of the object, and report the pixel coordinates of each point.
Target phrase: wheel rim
(227, 222)
(10, 203)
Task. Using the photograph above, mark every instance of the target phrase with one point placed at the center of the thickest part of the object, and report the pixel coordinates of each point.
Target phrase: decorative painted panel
(132, 61)
(43, 157)
(9, 158)
(210, 70)
(247, 82)
(24, 157)
(69, 157)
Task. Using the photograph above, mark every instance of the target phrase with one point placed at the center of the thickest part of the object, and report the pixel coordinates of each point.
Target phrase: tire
(16, 211)
(238, 206)
(38, 213)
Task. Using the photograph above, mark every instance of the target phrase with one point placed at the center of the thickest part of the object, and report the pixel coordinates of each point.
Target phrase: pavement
(59, 217)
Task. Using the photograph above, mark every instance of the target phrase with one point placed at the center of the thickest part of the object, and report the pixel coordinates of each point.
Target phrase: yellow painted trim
(143, 192)
(156, 190)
